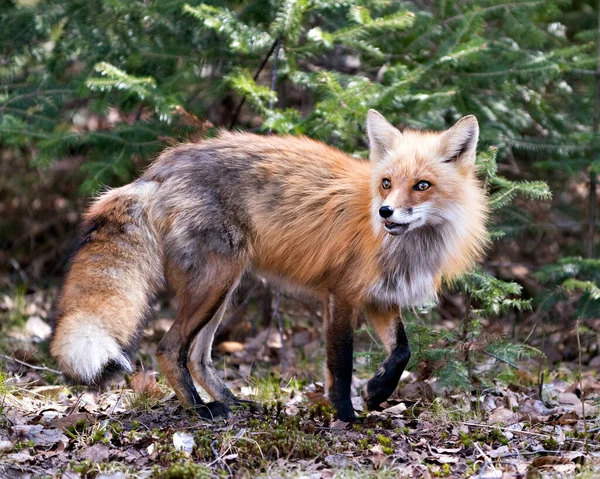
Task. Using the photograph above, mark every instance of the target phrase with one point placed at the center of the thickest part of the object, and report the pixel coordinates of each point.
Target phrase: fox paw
(345, 413)
(377, 391)
(214, 411)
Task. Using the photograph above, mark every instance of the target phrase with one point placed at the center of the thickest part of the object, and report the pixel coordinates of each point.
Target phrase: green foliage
(574, 277)
(493, 296)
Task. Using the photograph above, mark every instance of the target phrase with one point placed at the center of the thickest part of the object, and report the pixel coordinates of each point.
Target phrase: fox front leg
(390, 330)
(340, 321)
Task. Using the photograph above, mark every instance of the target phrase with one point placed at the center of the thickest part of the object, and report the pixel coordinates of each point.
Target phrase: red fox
(371, 236)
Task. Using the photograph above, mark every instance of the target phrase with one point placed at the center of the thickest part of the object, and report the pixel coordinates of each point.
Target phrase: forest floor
(541, 423)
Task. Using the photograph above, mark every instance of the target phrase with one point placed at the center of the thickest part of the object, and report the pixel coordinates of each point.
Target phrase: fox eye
(386, 184)
(422, 186)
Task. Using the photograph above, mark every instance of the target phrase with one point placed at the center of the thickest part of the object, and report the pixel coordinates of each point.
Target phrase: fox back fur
(362, 235)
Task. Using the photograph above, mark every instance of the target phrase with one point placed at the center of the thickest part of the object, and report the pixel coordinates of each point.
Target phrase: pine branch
(237, 110)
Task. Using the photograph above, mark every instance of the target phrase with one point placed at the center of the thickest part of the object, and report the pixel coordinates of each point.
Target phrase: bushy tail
(107, 295)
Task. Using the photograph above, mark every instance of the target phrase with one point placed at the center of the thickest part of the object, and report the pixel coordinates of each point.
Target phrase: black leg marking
(186, 378)
(339, 350)
(384, 383)
(213, 410)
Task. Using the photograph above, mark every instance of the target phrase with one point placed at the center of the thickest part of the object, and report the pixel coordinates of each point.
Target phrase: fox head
(421, 178)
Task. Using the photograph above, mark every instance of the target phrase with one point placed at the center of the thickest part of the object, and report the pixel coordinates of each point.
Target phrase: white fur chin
(88, 350)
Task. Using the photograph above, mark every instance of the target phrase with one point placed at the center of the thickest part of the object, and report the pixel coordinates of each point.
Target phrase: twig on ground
(74, 406)
(487, 461)
(117, 403)
(31, 366)
(531, 453)
(218, 457)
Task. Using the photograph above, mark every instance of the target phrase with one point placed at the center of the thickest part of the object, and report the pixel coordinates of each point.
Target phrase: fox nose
(386, 211)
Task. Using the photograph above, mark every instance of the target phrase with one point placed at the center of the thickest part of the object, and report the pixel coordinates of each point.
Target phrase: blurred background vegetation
(90, 92)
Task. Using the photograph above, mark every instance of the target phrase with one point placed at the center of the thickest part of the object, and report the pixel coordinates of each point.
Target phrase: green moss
(143, 402)
(551, 444)
(85, 468)
(384, 441)
(279, 435)
(184, 470)
(21, 445)
(466, 441)
(116, 428)
(497, 435)
(321, 411)
(363, 444)
(5, 386)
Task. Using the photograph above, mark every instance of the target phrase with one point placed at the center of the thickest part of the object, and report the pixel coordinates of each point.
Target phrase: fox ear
(460, 142)
(382, 135)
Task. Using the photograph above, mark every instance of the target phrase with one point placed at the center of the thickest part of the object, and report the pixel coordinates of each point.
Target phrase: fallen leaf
(446, 450)
(38, 328)
(5, 446)
(569, 399)
(229, 347)
(396, 410)
(39, 435)
(416, 391)
(339, 424)
(377, 449)
(72, 419)
(357, 403)
(568, 418)
(443, 458)
(534, 411)
(182, 441)
(18, 457)
(336, 460)
(96, 453)
(549, 461)
(504, 416)
(501, 451)
(490, 474)
(144, 382)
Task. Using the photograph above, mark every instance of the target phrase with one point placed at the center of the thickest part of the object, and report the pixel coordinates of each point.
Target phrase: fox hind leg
(200, 362)
(200, 298)
(389, 328)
